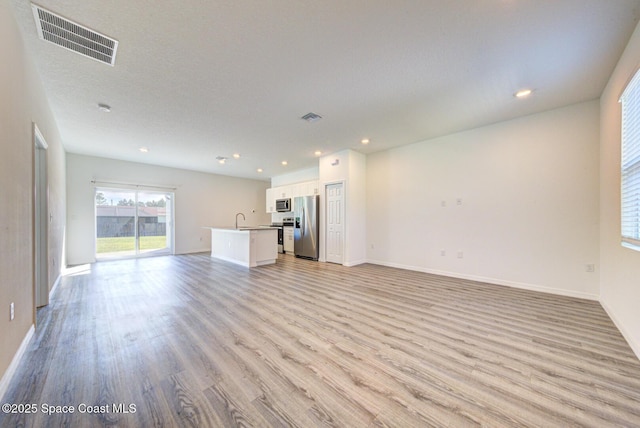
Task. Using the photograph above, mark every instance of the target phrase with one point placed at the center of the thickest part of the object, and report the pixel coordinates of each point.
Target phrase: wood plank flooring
(192, 341)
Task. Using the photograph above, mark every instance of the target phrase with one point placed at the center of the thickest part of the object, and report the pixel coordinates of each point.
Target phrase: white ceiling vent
(311, 117)
(69, 35)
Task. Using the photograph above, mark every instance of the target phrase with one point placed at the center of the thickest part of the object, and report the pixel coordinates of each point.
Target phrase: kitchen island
(246, 246)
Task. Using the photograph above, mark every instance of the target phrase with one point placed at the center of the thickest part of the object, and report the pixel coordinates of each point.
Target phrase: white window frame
(630, 165)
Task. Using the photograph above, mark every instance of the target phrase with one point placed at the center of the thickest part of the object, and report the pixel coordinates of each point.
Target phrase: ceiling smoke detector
(74, 37)
(311, 117)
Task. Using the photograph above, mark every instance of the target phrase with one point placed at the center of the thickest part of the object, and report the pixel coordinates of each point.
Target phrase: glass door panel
(152, 222)
(115, 223)
(130, 223)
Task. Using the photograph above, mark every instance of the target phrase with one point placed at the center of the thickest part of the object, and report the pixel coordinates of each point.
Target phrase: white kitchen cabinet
(271, 201)
(248, 247)
(283, 192)
(306, 188)
(287, 238)
(312, 188)
(275, 193)
(297, 190)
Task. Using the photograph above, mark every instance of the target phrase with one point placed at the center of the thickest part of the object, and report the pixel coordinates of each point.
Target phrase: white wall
(294, 177)
(348, 167)
(356, 211)
(620, 267)
(23, 102)
(529, 203)
(200, 200)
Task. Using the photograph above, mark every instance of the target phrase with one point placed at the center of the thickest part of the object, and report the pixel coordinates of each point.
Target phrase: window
(630, 195)
(132, 223)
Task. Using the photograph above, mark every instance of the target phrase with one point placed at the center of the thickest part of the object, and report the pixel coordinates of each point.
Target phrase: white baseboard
(635, 346)
(497, 281)
(356, 263)
(204, 250)
(11, 370)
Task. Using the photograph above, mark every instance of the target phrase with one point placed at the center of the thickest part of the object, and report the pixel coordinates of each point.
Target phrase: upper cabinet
(307, 188)
(271, 201)
(310, 188)
(283, 192)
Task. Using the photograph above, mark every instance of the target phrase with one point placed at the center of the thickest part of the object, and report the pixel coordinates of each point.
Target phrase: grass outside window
(127, 243)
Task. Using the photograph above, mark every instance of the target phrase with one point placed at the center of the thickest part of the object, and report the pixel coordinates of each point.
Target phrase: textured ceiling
(194, 80)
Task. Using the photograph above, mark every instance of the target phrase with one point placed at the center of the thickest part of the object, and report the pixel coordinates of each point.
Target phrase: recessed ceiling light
(365, 141)
(144, 149)
(317, 153)
(284, 163)
(236, 155)
(523, 93)
(104, 107)
(259, 169)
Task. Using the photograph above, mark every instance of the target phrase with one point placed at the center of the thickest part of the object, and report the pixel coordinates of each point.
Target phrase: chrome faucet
(243, 217)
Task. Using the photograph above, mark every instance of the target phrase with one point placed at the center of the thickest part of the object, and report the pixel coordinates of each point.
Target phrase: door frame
(40, 222)
(323, 214)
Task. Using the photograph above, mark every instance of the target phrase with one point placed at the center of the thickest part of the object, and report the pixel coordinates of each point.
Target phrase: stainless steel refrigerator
(306, 210)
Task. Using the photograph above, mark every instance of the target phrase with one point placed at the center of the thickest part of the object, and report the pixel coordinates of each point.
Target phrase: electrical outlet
(590, 267)
(459, 201)
(460, 254)
(443, 252)
(12, 310)
(443, 203)
(372, 247)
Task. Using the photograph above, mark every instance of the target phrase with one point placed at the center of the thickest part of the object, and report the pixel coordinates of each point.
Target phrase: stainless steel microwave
(283, 205)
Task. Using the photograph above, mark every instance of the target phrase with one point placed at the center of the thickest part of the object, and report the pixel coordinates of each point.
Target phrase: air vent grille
(311, 117)
(74, 37)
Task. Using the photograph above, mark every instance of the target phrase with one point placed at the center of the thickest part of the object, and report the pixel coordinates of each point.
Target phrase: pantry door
(334, 194)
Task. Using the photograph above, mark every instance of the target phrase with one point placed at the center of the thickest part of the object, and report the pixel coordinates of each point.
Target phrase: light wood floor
(192, 341)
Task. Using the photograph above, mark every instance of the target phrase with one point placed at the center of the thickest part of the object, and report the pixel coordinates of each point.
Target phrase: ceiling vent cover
(74, 37)
(311, 117)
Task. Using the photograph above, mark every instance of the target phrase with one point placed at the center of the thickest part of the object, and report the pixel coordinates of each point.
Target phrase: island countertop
(240, 228)
(248, 246)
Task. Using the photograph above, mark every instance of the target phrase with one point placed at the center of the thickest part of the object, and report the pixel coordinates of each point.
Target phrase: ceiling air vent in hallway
(311, 117)
(69, 35)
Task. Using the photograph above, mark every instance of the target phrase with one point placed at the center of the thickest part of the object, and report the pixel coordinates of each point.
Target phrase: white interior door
(335, 222)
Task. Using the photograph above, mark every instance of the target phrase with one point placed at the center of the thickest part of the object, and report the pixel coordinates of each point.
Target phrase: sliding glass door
(131, 223)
